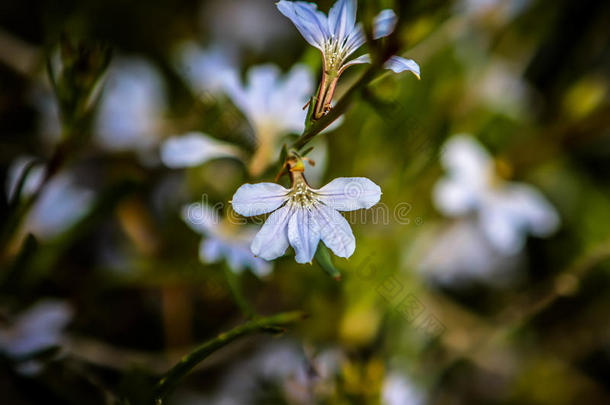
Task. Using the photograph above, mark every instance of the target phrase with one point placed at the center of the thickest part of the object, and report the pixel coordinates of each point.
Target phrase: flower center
(334, 55)
(301, 194)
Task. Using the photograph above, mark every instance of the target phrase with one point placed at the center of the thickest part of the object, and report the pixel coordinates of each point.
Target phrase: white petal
(350, 193)
(263, 80)
(287, 99)
(272, 240)
(62, 203)
(342, 18)
(399, 64)
(134, 99)
(205, 70)
(38, 328)
(311, 23)
(529, 209)
(194, 149)
(256, 199)
(399, 390)
(15, 172)
(335, 231)
(303, 234)
(355, 40)
(200, 217)
(453, 198)
(319, 154)
(502, 229)
(210, 250)
(384, 23)
(259, 267)
(467, 160)
(366, 58)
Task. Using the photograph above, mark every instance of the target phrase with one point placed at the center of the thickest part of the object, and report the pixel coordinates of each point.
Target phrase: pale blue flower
(460, 253)
(61, 204)
(131, 107)
(32, 181)
(302, 216)
(38, 328)
(506, 211)
(397, 389)
(223, 240)
(193, 149)
(338, 36)
(272, 104)
(251, 25)
(205, 70)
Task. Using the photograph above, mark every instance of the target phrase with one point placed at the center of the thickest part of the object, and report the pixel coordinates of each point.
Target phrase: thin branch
(338, 110)
(172, 378)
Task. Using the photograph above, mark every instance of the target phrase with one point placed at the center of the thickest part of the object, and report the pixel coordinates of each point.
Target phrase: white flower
(224, 240)
(34, 330)
(205, 70)
(32, 181)
(506, 211)
(399, 390)
(460, 252)
(194, 149)
(62, 201)
(302, 216)
(338, 37)
(273, 106)
(133, 101)
(252, 24)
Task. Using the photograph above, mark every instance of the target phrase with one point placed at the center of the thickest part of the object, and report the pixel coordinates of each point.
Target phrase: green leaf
(323, 258)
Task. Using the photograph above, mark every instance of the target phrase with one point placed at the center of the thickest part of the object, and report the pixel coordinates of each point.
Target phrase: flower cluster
(300, 216)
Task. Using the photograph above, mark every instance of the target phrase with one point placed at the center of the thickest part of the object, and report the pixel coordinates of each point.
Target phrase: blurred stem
(173, 377)
(238, 296)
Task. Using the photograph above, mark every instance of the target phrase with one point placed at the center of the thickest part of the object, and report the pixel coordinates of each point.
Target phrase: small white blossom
(62, 201)
(272, 104)
(302, 216)
(399, 390)
(505, 211)
(38, 328)
(205, 70)
(133, 101)
(223, 240)
(460, 253)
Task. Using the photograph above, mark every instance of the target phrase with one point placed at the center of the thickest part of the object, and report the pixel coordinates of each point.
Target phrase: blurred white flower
(38, 328)
(319, 155)
(224, 240)
(32, 181)
(458, 253)
(501, 86)
(506, 211)
(251, 24)
(62, 201)
(301, 378)
(194, 149)
(502, 10)
(131, 108)
(273, 106)
(397, 389)
(205, 70)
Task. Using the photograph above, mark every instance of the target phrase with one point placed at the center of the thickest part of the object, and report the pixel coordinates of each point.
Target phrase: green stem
(338, 110)
(172, 378)
(238, 296)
